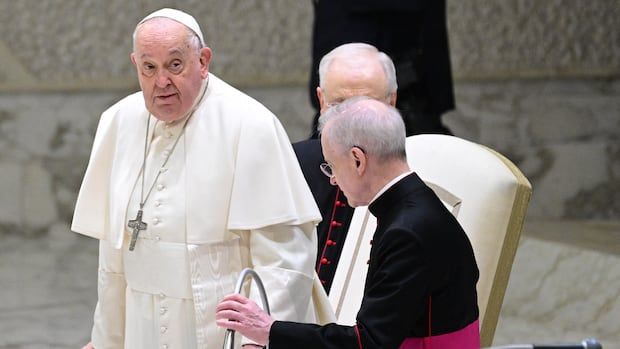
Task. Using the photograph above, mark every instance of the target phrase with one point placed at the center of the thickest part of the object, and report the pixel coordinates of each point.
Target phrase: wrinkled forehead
(324, 139)
(329, 145)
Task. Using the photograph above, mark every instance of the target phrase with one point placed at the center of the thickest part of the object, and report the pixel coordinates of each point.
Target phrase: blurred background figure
(352, 69)
(413, 33)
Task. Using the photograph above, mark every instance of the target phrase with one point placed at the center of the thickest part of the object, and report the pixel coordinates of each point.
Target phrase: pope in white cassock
(190, 181)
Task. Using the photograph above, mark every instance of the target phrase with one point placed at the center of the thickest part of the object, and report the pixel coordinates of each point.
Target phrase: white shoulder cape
(241, 169)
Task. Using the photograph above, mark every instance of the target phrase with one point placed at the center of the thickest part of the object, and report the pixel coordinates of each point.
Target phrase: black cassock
(335, 210)
(419, 255)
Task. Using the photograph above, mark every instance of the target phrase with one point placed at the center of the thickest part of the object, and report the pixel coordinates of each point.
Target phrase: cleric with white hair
(420, 289)
(189, 181)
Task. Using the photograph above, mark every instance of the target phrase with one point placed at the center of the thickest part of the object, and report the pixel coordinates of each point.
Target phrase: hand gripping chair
(488, 195)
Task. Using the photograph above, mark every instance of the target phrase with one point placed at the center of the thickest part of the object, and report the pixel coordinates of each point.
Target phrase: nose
(162, 79)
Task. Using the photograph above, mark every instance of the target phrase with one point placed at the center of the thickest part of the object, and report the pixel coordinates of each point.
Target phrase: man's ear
(132, 57)
(361, 160)
(321, 97)
(393, 99)
(205, 59)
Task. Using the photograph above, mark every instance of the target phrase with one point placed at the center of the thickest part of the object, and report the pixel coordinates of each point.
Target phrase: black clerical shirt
(419, 254)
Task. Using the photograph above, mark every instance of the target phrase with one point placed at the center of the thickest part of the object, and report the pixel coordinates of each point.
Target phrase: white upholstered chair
(488, 195)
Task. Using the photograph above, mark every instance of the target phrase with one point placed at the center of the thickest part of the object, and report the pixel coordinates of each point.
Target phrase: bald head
(363, 143)
(375, 126)
(356, 69)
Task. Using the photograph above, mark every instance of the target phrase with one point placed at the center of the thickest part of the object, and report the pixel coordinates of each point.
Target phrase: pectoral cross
(137, 225)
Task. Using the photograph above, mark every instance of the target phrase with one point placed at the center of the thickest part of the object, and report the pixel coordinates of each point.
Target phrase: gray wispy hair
(351, 50)
(372, 125)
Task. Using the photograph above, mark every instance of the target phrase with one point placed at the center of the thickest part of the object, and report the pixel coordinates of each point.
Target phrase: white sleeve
(283, 256)
(109, 319)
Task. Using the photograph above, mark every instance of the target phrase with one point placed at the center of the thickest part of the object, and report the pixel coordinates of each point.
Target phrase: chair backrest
(488, 195)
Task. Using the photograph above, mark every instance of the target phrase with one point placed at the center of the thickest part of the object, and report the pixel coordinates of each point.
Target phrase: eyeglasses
(327, 170)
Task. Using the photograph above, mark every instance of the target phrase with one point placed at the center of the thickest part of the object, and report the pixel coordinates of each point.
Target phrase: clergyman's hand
(243, 315)
(88, 346)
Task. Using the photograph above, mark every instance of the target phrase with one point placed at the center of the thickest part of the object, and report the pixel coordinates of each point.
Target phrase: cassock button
(336, 224)
(160, 187)
(340, 203)
(165, 346)
(155, 220)
(162, 310)
(165, 153)
(323, 282)
(324, 261)
(157, 203)
(331, 242)
(163, 329)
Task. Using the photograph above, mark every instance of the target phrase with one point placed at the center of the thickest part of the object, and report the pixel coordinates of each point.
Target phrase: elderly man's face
(344, 170)
(170, 69)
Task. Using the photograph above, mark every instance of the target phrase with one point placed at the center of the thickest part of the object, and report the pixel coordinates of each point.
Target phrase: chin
(353, 203)
(164, 114)
(357, 203)
(167, 118)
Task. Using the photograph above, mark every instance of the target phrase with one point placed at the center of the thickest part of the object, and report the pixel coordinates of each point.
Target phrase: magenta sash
(465, 338)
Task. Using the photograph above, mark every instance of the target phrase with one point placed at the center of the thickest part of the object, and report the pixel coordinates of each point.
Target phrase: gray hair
(372, 125)
(192, 38)
(347, 51)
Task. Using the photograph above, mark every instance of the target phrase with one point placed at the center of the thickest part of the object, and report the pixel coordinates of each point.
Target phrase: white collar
(390, 184)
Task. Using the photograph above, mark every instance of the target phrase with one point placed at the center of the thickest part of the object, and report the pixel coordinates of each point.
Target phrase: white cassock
(231, 196)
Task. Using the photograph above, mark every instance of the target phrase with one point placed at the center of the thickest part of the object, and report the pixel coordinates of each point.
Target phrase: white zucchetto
(179, 16)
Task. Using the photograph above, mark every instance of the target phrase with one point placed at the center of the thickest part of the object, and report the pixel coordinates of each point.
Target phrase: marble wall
(260, 43)
(537, 80)
(563, 134)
